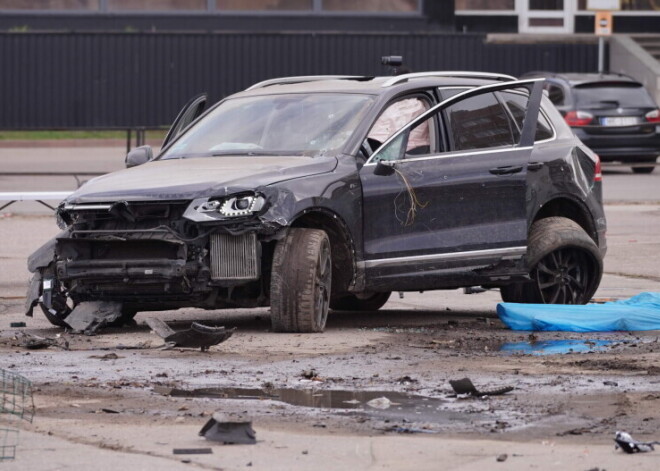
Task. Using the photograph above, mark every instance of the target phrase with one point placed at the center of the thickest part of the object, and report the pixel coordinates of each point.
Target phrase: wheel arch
(571, 209)
(342, 245)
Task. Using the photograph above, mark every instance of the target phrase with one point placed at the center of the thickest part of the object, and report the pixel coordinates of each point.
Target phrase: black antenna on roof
(395, 62)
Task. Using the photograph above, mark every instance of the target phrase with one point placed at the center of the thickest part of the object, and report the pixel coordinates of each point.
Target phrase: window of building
(251, 5)
(629, 5)
(156, 5)
(485, 5)
(478, 122)
(49, 4)
(399, 6)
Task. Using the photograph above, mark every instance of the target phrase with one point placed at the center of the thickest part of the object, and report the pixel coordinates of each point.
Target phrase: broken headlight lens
(241, 205)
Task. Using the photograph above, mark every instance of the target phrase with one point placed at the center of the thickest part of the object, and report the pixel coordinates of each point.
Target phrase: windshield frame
(370, 102)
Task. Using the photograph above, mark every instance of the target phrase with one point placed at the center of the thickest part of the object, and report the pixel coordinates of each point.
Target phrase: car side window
(478, 122)
(516, 103)
(556, 94)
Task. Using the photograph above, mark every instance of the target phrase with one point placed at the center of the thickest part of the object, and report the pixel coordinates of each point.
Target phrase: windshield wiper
(249, 153)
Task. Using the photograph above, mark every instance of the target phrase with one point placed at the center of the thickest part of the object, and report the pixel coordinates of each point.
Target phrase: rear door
(458, 208)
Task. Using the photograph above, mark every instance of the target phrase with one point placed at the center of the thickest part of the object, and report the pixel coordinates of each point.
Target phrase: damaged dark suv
(317, 193)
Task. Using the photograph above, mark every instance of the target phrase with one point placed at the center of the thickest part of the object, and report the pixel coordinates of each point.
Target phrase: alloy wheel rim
(564, 276)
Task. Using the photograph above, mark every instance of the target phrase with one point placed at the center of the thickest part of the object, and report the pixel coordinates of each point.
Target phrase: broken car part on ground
(304, 194)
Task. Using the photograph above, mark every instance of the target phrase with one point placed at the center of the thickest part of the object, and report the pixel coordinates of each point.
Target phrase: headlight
(234, 206)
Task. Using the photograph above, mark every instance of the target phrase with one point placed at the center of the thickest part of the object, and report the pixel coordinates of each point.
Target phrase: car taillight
(653, 116)
(598, 175)
(578, 118)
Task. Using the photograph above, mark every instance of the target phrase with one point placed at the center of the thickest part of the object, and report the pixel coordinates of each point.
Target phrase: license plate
(619, 121)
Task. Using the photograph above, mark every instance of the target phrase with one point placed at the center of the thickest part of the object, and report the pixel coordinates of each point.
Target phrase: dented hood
(198, 177)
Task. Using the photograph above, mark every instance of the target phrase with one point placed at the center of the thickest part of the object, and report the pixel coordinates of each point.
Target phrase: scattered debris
(17, 324)
(629, 445)
(399, 429)
(107, 356)
(465, 386)
(35, 342)
(380, 403)
(311, 375)
(502, 458)
(192, 451)
(198, 336)
(88, 317)
(230, 431)
(406, 380)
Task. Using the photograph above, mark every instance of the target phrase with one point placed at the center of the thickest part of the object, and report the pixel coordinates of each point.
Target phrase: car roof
(372, 85)
(578, 78)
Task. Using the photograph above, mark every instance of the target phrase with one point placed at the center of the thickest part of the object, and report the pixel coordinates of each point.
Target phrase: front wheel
(301, 281)
(566, 265)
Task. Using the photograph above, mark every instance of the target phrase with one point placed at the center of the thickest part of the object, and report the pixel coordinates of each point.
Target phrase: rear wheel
(357, 302)
(648, 169)
(566, 265)
(301, 281)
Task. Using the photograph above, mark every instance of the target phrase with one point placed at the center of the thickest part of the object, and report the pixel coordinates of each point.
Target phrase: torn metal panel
(465, 386)
(229, 430)
(88, 317)
(44, 255)
(197, 336)
(628, 444)
(33, 293)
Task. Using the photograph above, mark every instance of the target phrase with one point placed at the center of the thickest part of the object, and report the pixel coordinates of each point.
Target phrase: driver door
(189, 113)
(459, 207)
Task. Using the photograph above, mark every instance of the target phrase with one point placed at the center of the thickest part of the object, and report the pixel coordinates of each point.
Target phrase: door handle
(534, 166)
(508, 170)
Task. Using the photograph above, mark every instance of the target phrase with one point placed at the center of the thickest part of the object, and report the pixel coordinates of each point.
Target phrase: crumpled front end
(152, 255)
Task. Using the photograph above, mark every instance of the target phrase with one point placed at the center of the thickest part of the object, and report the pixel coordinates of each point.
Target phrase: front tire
(566, 265)
(301, 281)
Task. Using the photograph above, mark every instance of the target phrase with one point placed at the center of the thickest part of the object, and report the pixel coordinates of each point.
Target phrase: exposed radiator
(234, 257)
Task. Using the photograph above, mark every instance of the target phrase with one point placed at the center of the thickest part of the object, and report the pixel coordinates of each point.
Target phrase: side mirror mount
(139, 156)
(384, 168)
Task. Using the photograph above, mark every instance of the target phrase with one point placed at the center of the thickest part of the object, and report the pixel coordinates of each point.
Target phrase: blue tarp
(641, 312)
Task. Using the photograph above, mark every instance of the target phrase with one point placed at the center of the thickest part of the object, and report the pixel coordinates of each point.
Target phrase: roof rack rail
(301, 79)
(460, 74)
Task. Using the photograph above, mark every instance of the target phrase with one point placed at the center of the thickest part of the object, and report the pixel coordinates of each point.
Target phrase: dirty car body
(300, 193)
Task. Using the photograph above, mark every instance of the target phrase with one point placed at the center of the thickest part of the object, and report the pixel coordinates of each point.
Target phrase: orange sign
(603, 25)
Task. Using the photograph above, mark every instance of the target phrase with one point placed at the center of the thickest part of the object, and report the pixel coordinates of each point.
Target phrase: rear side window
(556, 94)
(478, 122)
(516, 103)
(605, 94)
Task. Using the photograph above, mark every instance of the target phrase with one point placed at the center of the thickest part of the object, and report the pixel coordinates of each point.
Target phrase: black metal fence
(103, 80)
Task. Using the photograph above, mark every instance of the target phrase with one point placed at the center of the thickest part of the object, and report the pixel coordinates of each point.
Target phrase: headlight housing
(233, 206)
(206, 209)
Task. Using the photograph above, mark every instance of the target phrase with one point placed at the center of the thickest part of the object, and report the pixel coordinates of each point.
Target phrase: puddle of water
(402, 406)
(556, 347)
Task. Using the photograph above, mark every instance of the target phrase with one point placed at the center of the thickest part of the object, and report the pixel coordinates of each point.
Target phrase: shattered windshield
(295, 124)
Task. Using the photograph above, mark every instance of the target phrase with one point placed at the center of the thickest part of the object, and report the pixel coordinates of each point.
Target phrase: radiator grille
(234, 257)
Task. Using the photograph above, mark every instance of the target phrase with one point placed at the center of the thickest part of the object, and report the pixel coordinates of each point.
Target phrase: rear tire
(301, 281)
(643, 169)
(566, 265)
(352, 302)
